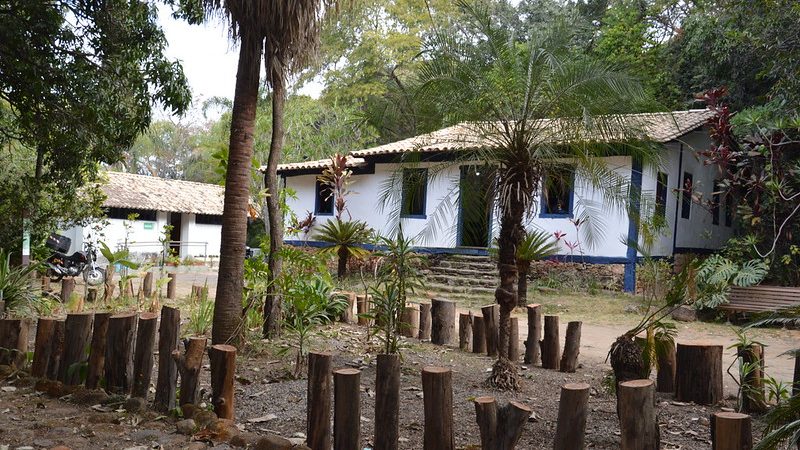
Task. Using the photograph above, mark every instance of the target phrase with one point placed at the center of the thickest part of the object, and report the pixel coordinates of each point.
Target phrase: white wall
(197, 235)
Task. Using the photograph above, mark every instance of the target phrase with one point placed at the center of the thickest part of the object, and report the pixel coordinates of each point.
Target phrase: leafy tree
(167, 149)
(507, 91)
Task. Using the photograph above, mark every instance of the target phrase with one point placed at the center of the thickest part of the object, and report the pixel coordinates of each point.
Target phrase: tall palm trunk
(228, 303)
(272, 306)
(506, 294)
(523, 267)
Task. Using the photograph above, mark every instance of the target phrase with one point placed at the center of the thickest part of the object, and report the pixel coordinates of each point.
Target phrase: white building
(194, 210)
(446, 210)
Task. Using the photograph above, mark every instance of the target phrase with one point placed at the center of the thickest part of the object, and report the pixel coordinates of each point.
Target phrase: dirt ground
(268, 400)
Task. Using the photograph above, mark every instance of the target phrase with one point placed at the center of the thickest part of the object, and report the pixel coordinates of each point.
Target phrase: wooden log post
(731, 431)
(2, 307)
(189, 365)
(166, 383)
(67, 288)
(347, 314)
(77, 332)
(147, 285)
(318, 407)
(43, 345)
(97, 351)
(573, 408)
(437, 396)
(56, 352)
(443, 321)
(172, 286)
(491, 326)
(143, 354)
(119, 353)
(752, 357)
(14, 341)
(91, 295)
(347, 409)
(387, 402)
(796, 377)
(362, 306)
(223, 370)
(513, 340)
(637, 415)
(409, 322)
(698, 373)
(424, 321)
(551, 347)
(465, 331)
(500, 428)
(46, 288)
(665, 363)
(478, 335)
(572, 348)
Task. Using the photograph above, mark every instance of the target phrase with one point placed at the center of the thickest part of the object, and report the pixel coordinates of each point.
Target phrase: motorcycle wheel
(94, 277)
(54, 277)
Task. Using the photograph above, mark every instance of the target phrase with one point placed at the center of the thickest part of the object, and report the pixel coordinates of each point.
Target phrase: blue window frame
(323, 200)
(558, 194)
(415, 191)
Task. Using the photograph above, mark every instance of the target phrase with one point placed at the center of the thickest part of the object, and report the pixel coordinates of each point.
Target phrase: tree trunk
(347, 409)
(443, 314)
(166, 383)
(147, 284)
(13, 341)
(347, 314)
(77, 329)
(500, 428)
(409, 322)
(572, 348)
(522, 284)
(119, 353)
(97, 352)
(508, 241)
(731, 431)
(189, 365)
(698, 373)
(172, 286)
(665, 376)
(57, 352)
(424, 321)
(222, 358)
(478, 335)
(67, 288)
(491, 317)
(551, 347)
(387, 402)
(318, 406)
(44, 346)
(341, 266)
(532, 350)
(465, 331)
(143, 354)
(513, 341)
(230, 281)
(572, 412)
(272, 317)
(437, 396)
(637, 415)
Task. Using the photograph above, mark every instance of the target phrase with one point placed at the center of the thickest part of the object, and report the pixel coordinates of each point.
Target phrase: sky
(208, 58)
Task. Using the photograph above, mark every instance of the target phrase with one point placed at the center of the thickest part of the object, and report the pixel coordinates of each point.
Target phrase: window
(686, 195)
(728, 211)
(662, 182)
(124, 213)
(715, 199)
(323, 205)
(415, 188)
(557, 193)
(208, 219)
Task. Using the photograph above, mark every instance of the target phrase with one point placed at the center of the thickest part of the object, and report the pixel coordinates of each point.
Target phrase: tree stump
(97, 351)
(437, 395)
(478, 335)
(731, 431)
(166, 383)
(443, 321)
(409, 322)
(347, 314)
(500, 428)
(46, 288)
(551, 347)
(172, 286)
(67, 288)
(637, 415)
(318, 408)
(491, 325)
(77, 330)
(752, 381)
(143, 354)
(424, 321)
(513, 340)
(189, 365)
(534, 333)
(572, 412)
(362, 303)
(796, 376)
(45, 345)
(222, 358)
(665, 375)
(465, 331)
(387, 402)
(119, 353)
(572, 348)
(347, 409)
(147, 285)
(57, 352)
(14, 341)
(91, 295)
(698, 373)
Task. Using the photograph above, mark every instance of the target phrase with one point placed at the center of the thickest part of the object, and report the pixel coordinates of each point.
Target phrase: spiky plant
(15, 284)
(345, 237)
(536, 246)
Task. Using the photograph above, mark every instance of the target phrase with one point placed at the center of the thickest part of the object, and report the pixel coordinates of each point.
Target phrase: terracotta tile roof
(318, 164)
(127, 190)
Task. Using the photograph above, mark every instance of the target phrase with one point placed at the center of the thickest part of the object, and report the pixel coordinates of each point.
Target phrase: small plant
(716, 274)
(202, 316)
(386, 310)
(536, 246)
(120, 257)
(345, 237)
(15, 288)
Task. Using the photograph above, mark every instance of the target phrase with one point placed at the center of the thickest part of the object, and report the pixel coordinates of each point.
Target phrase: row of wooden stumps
(146, 288)
(121, 352)
(500, 427)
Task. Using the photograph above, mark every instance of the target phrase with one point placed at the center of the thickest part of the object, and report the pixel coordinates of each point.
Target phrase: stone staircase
(462, 274)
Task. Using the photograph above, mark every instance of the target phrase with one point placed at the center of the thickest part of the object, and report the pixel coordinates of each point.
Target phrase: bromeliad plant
(120, 257)
(345, 238)
(535, 246)
(15, 285)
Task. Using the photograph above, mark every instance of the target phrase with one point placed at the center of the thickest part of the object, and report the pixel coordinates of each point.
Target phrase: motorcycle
(60, 265)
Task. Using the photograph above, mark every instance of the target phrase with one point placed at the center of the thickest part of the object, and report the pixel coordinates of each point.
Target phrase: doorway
(175, 233)
(475, 208)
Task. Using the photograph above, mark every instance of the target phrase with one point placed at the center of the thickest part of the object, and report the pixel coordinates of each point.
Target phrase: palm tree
(345, 237)
(506, 93)
(536, 246)
(286, 33)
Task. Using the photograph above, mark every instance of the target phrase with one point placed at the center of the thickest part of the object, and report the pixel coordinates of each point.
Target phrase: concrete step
(461, 281)
(461, 289)
(466, 265)
(464, 273)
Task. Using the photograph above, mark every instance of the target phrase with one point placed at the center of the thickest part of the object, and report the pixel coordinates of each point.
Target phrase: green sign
(149, 225)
